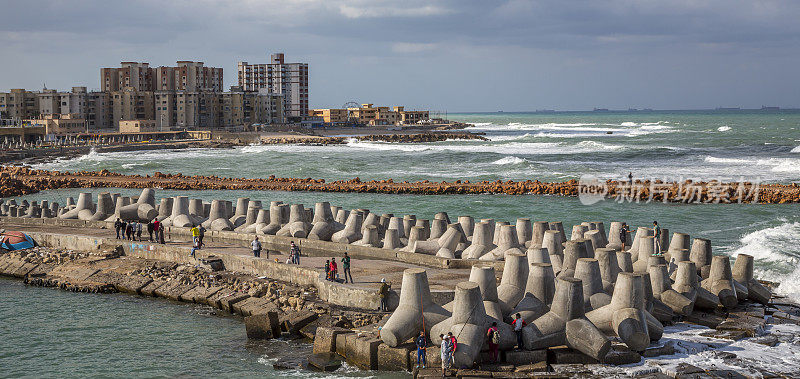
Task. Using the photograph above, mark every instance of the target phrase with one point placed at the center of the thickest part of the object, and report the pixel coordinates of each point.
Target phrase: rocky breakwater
(16, 181)
(270, 308)
(394, 138)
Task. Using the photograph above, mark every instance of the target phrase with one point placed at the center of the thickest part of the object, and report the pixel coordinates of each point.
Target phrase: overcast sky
(455, 55)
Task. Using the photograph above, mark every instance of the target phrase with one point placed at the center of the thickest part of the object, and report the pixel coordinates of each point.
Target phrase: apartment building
(129, 104)
(206, 110)
(277, 76)
(184, 76)
(19, 104)
(60, 124)
(368, 114)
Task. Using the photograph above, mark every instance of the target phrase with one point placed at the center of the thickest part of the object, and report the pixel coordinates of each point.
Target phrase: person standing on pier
(494, 341)
(150, 229)
(117, 226)
(334, 269)
(161, 233)
(294, 253)
(256, 245)
(518, 324)
(383, 293)
(447, 353)
(422, 345)
(138, 231)
(346, 268)
(656, 239)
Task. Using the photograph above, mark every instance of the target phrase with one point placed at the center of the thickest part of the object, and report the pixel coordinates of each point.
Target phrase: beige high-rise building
(185, 76)
(94, 107)
(287, 79)
(129, 104)
(19, 104)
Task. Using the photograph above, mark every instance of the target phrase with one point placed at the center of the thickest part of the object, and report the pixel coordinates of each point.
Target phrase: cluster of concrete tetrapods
(580, 293)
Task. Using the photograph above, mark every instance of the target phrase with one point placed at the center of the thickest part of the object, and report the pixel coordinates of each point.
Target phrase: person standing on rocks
(422, 345)
(518, 324)
(346, 268)
(383, 293)
(447, 353)
(494, 341)
(623, 234)
(256, 245)
(117, 226)
(656, 239)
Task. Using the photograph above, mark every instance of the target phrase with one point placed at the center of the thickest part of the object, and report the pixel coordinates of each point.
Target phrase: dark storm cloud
(461, 55)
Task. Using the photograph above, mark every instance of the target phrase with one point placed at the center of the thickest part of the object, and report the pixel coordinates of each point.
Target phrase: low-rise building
(368, 114)
(19, 104)
(138, 126)
(330, 115)
(60, 124)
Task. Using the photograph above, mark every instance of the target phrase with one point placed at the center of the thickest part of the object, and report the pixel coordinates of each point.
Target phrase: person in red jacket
(518, 324)
(334, 267)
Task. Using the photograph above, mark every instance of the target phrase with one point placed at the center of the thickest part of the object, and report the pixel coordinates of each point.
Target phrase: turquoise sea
(729, 145)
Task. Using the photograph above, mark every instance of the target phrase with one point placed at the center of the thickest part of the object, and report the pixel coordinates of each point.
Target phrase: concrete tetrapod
(481, 242)
(595, 237)
(539, 292)
(180, 213)
(84, 202)
(539, 229)
(686, 284)
(239, 218)
(645, 250)
(506, 244)
(415, 311)
(609, 267)
(588, 271)
(105, 207)
(261, 222)
(662, 291)
(513, 282)
(743, 273)
(614, 240)
(578, 232)
(217, 219)
(524, 231)
(197, 210)
(485, 277)
(583, 336)
(641, 232)
(720, 281)
(119, 203)
(297, 227)
(397, 224)
(552, 242)
(442, 216)
(538, 255)
(559, 226)
(391, 240)
(409, 221)
(625, 315)
(276, 218)
(352, 229)
(573, 250)
(679, 241)
(701, 255)
(143, 210)
(624, 261)
(424, 232)
(164, 208)
(323, 223)
(340, 215)
(496, 234)
(250, 219)
(467, 225)
(550, 329)
(369, 237)
(438, 227)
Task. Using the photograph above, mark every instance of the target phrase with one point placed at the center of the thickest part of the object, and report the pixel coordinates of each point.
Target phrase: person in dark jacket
(150, 230)
(422, 346)
(117, 226)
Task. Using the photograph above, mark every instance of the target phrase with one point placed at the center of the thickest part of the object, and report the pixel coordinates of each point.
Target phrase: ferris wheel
(351, 117)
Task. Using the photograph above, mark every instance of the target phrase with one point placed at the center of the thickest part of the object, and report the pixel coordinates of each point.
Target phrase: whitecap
(724, 128)
(509, 160)
(796, 150)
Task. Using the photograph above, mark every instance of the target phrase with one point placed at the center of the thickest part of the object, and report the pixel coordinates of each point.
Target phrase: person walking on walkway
(447, 353)
(383, 293)
(518, 324)
(422, 345)
(346, 268)
(256, 245)
(160, 233)
(454, 342)
(494, 341)
(294, 253)
(327, 269)
(138, 231)
(117, 226)
(656, 239)
(200, 237)
(195, 235)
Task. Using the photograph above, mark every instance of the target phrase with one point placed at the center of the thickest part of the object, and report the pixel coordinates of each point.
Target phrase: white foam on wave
(782, 165)
(780, 246)
(796, 150)
(510, 160)
(529, 148)
(724, 128)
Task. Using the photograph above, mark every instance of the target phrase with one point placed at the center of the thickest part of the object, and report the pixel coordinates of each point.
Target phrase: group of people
(332, 269)
(132, 230)
(198, 233)
(657, 249)
(448, 349)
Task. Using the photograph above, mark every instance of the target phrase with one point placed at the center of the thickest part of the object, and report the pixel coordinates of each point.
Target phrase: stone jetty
(15, 181)
(583, 298)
